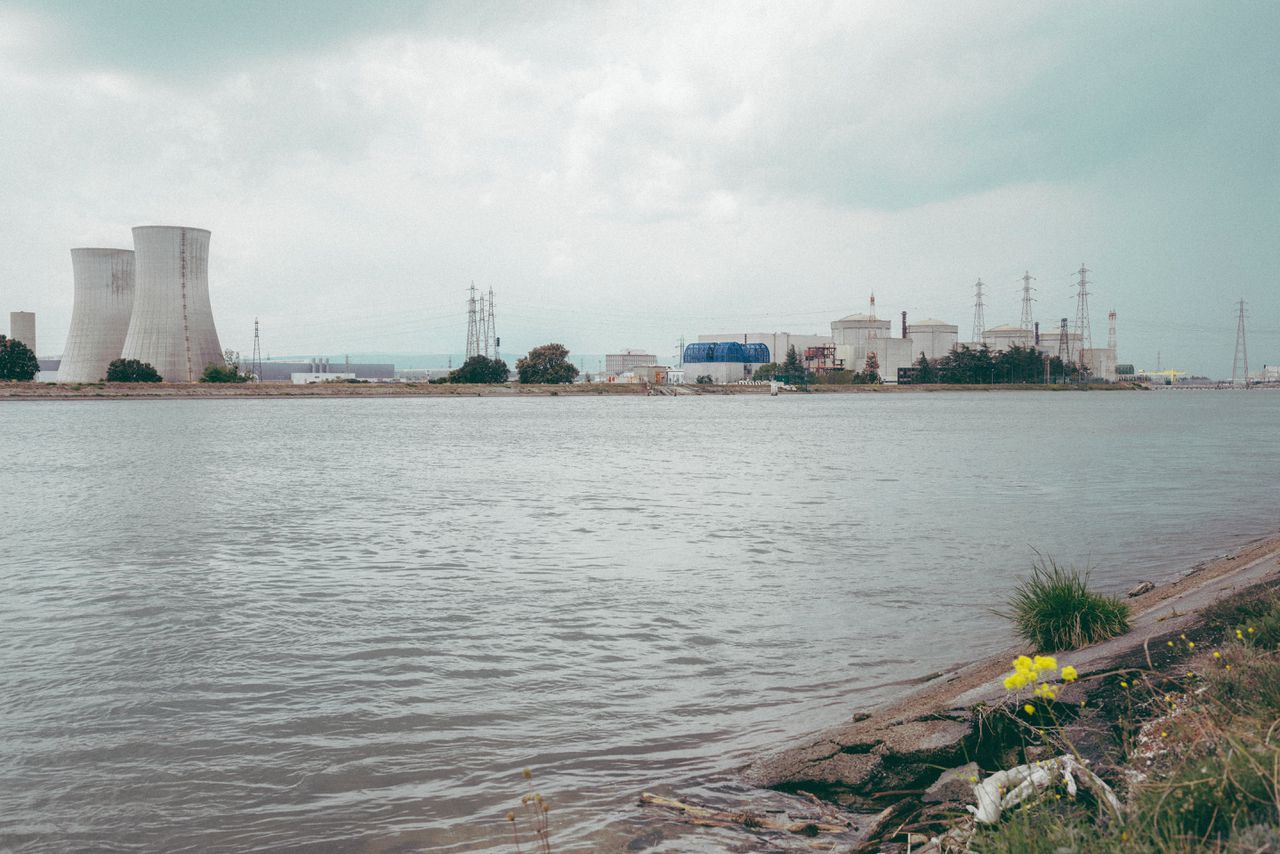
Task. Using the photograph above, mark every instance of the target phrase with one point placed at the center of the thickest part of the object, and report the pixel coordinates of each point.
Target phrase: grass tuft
(1054, 609)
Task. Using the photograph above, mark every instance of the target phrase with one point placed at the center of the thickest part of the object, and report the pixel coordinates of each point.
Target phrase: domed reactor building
(100, 314)
(172, 323)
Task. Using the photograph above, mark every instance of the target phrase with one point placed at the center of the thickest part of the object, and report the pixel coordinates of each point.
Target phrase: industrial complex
(728, 357)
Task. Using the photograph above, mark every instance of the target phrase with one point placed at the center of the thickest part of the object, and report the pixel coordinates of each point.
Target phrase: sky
(624, 174)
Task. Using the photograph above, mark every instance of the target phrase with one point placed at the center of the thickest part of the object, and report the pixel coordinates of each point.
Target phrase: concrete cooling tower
(172, 325)
(100, 315)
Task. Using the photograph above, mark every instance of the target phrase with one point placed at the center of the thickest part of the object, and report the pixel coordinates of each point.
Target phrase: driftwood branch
(710, 817)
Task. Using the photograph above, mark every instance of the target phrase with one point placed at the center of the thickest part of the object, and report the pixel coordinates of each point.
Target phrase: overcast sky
(624, 174)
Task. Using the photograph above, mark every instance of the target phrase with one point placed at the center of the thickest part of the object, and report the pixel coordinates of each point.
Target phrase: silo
(100, 315)
(172, 325)
(22, 327)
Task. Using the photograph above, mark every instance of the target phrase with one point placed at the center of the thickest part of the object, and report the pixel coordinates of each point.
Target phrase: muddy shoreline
(885, 770)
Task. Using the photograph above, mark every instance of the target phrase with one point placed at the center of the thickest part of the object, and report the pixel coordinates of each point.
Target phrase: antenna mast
(979, 322)
(1242, 351)
(1083, 335)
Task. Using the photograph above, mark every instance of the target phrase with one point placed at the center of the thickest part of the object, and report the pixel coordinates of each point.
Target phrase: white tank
(100, 314)
(172, 325)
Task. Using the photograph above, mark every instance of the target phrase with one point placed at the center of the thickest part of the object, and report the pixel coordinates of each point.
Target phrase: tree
(547, 364)
(704, 379)
(132, 371)
(925, 372)
(793, 370)
(871, 371)
(17, 362)
(480, 369)
(766, 372)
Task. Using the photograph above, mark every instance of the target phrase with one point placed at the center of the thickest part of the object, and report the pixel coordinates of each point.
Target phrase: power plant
(172, 323)
(100, 314)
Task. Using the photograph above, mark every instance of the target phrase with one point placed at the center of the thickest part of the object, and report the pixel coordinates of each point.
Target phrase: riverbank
(897, 777)
(169, 391)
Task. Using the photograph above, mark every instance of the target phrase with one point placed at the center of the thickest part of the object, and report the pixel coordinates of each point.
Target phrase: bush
(132, 371)
(1055, 610)
(223, 374)
(17, 362)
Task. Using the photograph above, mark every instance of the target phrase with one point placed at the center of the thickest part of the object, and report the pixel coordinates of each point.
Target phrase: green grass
(1054, 610)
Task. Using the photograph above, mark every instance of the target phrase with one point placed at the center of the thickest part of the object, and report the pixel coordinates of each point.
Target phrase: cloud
(622, 176)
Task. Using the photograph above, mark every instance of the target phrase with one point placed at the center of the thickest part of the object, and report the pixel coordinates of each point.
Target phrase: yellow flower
(1217, 654)
(1164, 734)
(1251, 630)
(1124, 684)
(1069, 673)
(1030, 709)
(1170, 643)
(1044, 689)
(1045, 662)
(1191, 644)
(1239, 635)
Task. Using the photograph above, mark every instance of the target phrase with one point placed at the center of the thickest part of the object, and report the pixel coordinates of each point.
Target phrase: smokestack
(1037, 333)
(904, 324)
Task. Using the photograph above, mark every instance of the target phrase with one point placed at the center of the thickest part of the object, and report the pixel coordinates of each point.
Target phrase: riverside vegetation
(1163, 747)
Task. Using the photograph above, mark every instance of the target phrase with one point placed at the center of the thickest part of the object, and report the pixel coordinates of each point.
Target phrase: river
(347, 625)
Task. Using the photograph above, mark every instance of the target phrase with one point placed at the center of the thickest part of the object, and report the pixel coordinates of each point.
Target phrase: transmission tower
(1064, 343)
(256, 364)
(1084, 337)
(491, 330)
(680, 353)
(1027, 299)
(979, 323)
(1242, 351)
(473, 325)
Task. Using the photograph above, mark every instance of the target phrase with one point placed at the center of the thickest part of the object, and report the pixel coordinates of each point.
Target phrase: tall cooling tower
(100, 315)
(172, 324)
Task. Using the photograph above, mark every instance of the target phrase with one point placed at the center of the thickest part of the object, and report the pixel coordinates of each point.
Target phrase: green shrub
(1055, 610)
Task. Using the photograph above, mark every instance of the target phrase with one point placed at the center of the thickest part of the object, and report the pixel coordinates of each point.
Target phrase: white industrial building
(100, 314)
(620, 363)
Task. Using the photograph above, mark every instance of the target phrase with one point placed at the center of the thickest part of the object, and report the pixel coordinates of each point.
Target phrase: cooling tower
(22, 327)
(172, 325)
(100, 315)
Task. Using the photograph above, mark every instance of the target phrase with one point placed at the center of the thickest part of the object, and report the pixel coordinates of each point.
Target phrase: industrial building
(724, 361)
(854, 337)
(171, 326)
(22, 327)
(616, 364)
(284, 371)
(100, 313)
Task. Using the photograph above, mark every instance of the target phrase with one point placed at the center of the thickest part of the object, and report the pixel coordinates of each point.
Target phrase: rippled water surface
(347, 624)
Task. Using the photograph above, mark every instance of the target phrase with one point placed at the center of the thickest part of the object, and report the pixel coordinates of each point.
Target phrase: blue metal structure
(726, 351)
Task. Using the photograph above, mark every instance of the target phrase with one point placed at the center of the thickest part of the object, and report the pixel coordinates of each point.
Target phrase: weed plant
(1204, 753)
(1054, 609)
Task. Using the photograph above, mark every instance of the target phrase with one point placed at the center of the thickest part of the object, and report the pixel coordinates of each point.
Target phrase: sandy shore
(171, 391)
